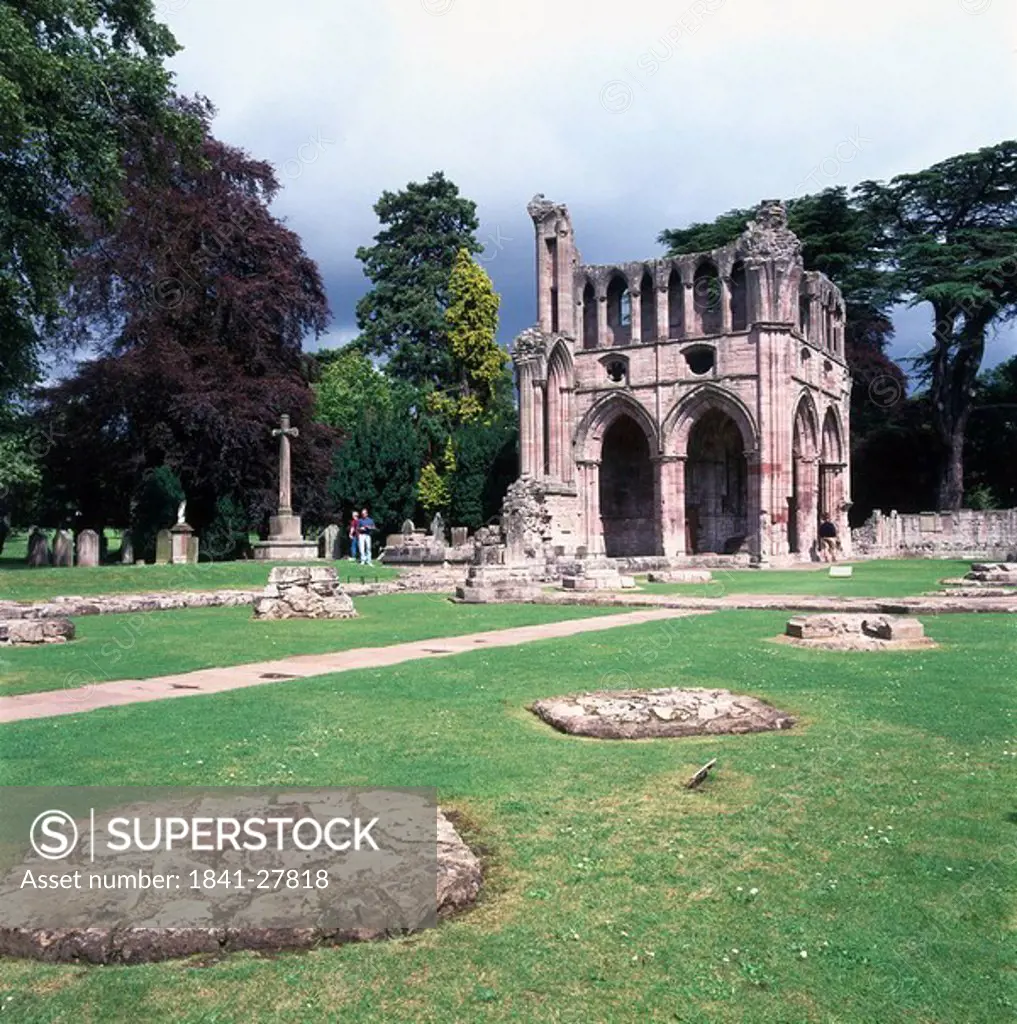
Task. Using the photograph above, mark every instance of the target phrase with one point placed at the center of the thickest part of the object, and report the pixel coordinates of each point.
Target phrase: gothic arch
(805, 438)
(683, 416)
(558, 413)
(602, 415)
(832, 444)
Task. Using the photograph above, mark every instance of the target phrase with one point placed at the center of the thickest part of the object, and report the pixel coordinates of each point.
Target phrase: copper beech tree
(194, 307)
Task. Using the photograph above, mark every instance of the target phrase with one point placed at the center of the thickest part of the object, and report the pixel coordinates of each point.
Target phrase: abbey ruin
(685, 406)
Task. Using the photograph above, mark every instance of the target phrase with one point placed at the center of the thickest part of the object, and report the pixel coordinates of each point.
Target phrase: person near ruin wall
(366, 529)
(354, 535)
(827, 540)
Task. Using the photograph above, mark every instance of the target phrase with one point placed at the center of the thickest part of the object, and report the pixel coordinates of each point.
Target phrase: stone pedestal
(596, 574)
(285, 542)
(181, 544)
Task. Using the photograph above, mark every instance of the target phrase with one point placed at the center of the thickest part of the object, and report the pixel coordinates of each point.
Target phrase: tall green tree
(992, 430)
(402, 317)
(80, 83)
(949, 235)
(350, 389)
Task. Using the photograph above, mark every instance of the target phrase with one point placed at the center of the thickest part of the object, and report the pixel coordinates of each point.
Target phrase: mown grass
(18, 582)
(857, 868)
(144, 645)
(884, 578)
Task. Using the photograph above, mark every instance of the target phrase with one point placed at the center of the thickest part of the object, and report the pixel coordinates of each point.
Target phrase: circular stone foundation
(80, 940)
(857, 632)
(659, 714)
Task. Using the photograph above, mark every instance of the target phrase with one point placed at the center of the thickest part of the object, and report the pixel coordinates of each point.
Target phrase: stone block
(304, 592)
(893, 628)
(681, 576)
(163, 547)
(841, 572)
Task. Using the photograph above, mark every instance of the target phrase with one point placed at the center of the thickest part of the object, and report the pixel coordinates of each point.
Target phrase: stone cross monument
(285, 541)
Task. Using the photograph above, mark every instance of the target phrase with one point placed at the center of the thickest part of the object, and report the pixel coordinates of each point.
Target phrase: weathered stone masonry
(684, 406)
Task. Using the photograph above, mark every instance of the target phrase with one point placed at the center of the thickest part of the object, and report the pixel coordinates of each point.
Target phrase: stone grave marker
(193, 545)
(329, 545)
(163, 547)
(38, 548)
(126, 548)
(63, 549)
(841, 571)
(438, 528)
(460, 536)
(88, 548)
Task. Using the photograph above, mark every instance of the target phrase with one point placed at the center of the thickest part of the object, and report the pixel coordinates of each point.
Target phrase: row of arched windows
(706, 315)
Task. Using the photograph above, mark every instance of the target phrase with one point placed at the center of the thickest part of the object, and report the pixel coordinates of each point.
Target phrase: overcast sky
(640, 115)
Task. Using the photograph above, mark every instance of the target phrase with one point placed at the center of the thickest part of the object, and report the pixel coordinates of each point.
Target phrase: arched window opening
(647, 310)
(619, 311)
(739, 298)
(706, 299)
(675, 313)
(589, 317)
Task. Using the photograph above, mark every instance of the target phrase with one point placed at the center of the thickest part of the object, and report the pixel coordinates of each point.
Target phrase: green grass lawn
(858, 868)
(18, 582)
(884, 578)
(140, 646)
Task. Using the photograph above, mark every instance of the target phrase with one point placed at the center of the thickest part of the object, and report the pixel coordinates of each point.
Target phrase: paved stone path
(218, 680)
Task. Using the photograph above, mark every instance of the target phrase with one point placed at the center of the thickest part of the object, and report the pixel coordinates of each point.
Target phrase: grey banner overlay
(357, 860)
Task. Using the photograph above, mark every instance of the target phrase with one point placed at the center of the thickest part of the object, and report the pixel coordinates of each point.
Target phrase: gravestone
(126, 548)
(192, 549)
(460, 536)
(38, 548)
(438, 528)
(329, 544)
(88, 548)
(163, 547)
(408, 529)
(63, 549)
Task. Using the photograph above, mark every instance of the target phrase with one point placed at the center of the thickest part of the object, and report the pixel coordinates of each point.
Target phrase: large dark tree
(949, 233)
(402, 317)
(79, 84)
(991, 441)
(199, 299)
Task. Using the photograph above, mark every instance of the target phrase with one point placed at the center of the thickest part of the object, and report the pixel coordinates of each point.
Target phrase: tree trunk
(951, 475)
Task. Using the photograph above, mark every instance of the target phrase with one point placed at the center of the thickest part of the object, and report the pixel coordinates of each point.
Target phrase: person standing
(827, 540)
(366, 529)
(354, 534)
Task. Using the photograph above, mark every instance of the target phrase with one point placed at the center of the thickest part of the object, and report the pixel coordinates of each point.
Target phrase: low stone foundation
(993, 573)
(28, 632)
(486, 584)
(595, 575)
(659, 714)
(304, 592)
(845, 632)
(459, 879)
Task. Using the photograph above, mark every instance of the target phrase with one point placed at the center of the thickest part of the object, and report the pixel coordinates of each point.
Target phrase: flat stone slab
(681, 576)
(847, 632)
(28, 632)
(457, 885)
(992, 572)
(659, 714)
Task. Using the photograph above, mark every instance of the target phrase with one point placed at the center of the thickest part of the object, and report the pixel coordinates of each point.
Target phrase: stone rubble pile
(23, 632)
(304, 592)
(857, 631)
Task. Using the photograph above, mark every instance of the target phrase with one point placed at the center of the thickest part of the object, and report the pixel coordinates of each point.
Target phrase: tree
(377, 466)
(350, 389)
(487, 461)
(80, 83)
(402, 317)
(203, 299)
(478, 361)
(992, 429)
(949, 233)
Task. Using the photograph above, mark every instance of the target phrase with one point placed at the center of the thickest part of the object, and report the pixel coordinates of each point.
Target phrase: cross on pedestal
(284, 433)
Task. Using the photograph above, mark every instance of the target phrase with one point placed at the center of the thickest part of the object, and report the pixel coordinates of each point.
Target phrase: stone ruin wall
(969, 533)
